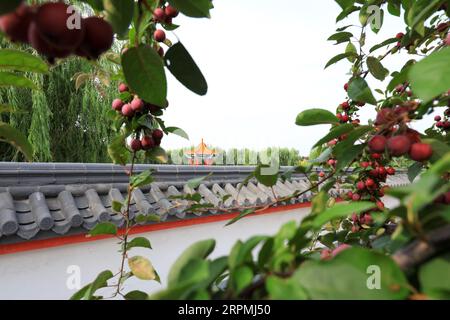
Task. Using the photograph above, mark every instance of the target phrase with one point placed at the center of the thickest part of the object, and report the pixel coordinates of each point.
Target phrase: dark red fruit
(376, 156)
(43, 47)
(447, 198)
(384, 115)
(360, 185)
(412, 135)
(344, 118)
(171, 12)
(346, 87)
(161, 52)
(52, 24)
(377, 143)
(437, 118)
(442, 27)
(322, 174)
(398, 145)
(127, 111)
(147, 143)
(123, 87)
(370, 183)
(98, 38)
(15, 24)
(420, 152)
(390, 171)
(345, 105)
(364, 164)
(157, 134)
(400, 35)
(159, 35)
(135, 145)
(356, 197)
(117, 104)
(382, 171)
(159, 15)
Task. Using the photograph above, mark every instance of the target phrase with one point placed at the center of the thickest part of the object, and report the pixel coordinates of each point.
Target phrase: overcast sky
(264, 62)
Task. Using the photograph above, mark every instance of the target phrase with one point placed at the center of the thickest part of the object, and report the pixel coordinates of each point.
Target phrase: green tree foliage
(58, 115)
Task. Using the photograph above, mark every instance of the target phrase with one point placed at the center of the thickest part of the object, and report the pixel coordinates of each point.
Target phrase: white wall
(42, 274)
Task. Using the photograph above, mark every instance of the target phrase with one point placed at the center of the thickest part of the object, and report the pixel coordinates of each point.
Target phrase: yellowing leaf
(142, 268)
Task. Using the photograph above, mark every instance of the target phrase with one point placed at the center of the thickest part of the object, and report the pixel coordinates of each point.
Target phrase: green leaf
(142, 218)
(88, 291)
(178, 132)
(345, 4)
(340, 57)
(420, 12)
(144, 72)
(116, 206)
(383, 44)
(194, 183)
(267, 175)
(359, 90)
(353, 274)
(414, 170)
(341, 37)
(142, 179)
(139, 242)
(341, 210)
(199, 250)
(193, 8)
(103, 229)
(334, 133)
(118, 151)
(351, 49)
(136, 295)
(376, 68)
(244, 251)
(285, 289)
(17, 139)
(394, 8)
(434, 277)
(241, 215)
(350, 154)
(8, 79)
(352, 137)
(120, 14)
(9, 6)
(242, 277)
(313, 117)
(184, 69)
(430, 77)
(21, 61)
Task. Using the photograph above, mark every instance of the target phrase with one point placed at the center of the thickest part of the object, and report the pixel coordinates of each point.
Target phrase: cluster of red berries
(347, 110)
(163, 15)
(443, 123)
(401, 144)
(48, 29)
(145, 138)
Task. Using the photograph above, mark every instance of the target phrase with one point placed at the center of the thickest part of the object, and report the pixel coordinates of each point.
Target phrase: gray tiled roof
(46, 200)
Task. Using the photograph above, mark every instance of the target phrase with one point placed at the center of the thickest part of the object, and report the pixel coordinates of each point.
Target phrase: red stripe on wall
(80, 238)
